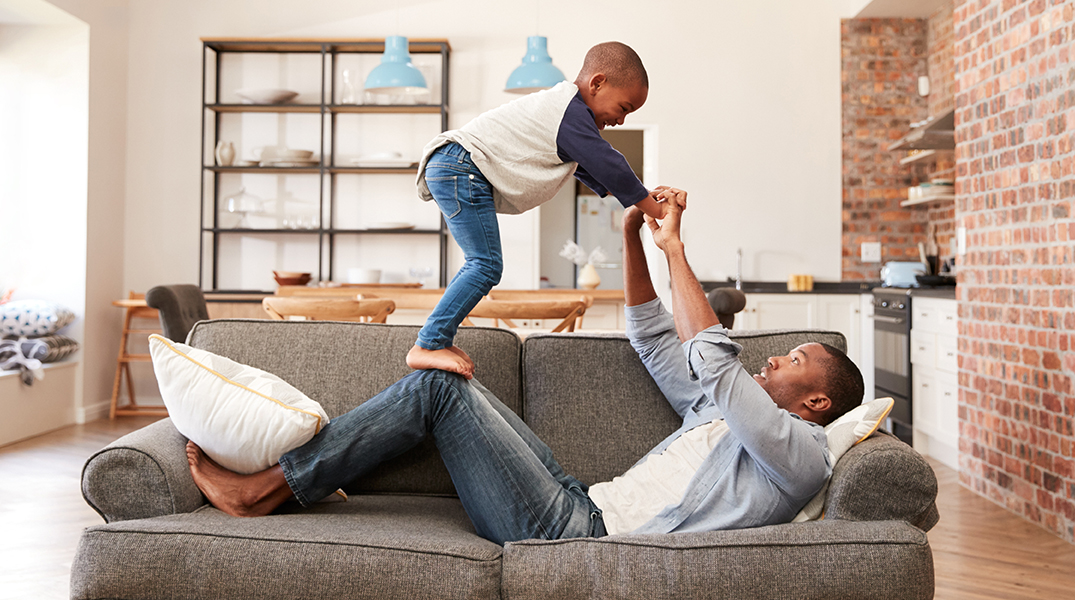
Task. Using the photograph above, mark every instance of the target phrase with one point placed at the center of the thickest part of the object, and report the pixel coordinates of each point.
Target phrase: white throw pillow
(856, 425)
(32, 318)
(242, 417)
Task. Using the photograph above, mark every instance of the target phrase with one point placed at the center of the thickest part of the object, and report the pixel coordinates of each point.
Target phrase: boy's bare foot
(254, 495)
(445, 359)
(465, 356)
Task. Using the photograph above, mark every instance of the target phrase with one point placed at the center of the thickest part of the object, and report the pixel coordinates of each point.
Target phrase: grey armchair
(180, 307)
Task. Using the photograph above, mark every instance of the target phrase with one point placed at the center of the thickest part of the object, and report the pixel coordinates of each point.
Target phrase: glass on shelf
(237, 208)
(347, 93)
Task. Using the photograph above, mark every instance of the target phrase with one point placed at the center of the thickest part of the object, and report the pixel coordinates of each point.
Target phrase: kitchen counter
(781, 287)
(947, 292)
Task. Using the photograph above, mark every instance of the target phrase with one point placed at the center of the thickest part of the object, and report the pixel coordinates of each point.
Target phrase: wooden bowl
(291, 278)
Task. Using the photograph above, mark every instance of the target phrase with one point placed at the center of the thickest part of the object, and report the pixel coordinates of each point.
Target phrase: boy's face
(611, 104)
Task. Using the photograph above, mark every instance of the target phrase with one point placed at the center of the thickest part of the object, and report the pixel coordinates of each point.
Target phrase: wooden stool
(135, 308)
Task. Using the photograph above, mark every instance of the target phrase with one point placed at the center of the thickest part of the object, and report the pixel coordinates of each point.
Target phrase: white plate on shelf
(289, 162)
(383, 163)
(391, 225)
(265, 95)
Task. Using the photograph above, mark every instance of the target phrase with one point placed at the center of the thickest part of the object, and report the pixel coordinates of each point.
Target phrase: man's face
(611, 104)
(795, 377)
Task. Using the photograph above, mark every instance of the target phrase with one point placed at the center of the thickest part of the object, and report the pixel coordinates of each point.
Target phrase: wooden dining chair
(497, 294)
(569, 311)
(329, 309)
(405, 298)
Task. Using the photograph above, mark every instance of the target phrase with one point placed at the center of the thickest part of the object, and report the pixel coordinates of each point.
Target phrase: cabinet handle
(950, 354)
(925, 385)
(948, 393)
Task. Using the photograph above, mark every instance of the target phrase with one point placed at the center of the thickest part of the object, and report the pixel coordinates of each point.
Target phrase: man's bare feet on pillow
(254, 495)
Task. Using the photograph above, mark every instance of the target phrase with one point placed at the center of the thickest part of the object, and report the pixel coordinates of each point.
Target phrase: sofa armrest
(142, 474)
(880, 479)
(816, 560)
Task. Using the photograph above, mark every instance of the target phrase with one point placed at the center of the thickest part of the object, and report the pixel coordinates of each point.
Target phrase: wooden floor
(979, 549)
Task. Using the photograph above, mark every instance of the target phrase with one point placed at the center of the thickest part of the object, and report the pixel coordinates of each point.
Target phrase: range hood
(935, 133)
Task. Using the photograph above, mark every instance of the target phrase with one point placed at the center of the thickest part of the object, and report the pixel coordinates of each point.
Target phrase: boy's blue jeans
(506, 478)
(465, 198)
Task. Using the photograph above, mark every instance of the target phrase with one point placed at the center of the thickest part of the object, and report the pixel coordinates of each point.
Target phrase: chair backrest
(506, 310)
(409, 298)
(179, 306)
(726, 302)
(329, 309)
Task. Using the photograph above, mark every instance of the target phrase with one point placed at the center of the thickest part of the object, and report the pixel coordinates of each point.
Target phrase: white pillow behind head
(856, 425)
(243, 418)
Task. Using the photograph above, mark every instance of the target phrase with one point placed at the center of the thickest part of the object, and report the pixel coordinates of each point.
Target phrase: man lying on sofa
(751, 451)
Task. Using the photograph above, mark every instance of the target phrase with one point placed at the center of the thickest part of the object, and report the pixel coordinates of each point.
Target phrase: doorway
(579, 215)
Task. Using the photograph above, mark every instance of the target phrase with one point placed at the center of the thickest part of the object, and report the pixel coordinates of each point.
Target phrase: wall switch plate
(871, 252)
(961, 240)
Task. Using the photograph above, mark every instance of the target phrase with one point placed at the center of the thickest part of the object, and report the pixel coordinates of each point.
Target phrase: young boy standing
(513, 158)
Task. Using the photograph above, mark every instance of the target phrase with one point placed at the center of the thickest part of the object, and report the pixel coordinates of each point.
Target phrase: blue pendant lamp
(396, 74)
(537, 71)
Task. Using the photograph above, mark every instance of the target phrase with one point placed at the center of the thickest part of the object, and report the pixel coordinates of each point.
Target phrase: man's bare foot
(444, 359)
(254, 495)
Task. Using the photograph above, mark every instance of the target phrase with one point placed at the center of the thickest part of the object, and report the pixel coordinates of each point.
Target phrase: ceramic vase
(588, 277)
(225, 153)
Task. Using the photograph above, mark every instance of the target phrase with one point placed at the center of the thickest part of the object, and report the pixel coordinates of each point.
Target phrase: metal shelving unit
(329, 50)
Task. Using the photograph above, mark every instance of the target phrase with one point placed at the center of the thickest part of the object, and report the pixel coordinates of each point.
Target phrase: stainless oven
(892, 355)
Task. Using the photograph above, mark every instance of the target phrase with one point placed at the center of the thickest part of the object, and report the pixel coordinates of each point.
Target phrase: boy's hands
(663, 193)
(656, 204)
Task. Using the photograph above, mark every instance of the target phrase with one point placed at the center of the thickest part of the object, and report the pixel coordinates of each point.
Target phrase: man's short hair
(842, 382)
(620, 64)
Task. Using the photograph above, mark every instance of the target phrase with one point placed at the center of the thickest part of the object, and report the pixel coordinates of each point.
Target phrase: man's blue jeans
(465, 198)
(506, 478)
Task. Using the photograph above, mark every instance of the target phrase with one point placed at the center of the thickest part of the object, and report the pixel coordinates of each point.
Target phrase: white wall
(105, 196)
(746, 95)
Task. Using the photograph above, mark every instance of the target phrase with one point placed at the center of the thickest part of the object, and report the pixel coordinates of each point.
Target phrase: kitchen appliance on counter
(900, 274)
(892, 355)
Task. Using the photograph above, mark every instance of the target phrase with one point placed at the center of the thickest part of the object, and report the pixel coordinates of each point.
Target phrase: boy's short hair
(843, 381)
(619, 63)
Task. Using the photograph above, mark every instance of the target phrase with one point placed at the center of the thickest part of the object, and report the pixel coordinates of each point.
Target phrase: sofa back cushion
(341, 365)
(593, 402)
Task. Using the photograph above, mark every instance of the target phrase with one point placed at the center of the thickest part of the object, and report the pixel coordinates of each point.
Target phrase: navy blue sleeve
(601, 167)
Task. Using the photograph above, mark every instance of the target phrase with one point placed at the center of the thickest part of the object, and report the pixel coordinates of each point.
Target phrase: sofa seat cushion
(801, 561)
(367, 547)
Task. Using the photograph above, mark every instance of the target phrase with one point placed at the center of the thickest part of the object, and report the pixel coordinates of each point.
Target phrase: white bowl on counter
(360, 275)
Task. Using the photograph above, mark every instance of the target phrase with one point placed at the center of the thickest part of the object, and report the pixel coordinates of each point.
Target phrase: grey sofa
(403, 534)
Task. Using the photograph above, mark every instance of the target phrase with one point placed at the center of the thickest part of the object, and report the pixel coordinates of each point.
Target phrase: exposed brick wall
(1015, 118)
(941, 66)
(941, 100)
(882, 60)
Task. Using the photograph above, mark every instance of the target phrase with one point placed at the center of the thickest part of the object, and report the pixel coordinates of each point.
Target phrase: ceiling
(33, 12)
(905, 9)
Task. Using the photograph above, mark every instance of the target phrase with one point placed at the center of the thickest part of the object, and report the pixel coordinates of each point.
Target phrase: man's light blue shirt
(769, 465)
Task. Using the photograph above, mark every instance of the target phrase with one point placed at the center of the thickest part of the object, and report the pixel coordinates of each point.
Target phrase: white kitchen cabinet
(935, 375)
(838, 312)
